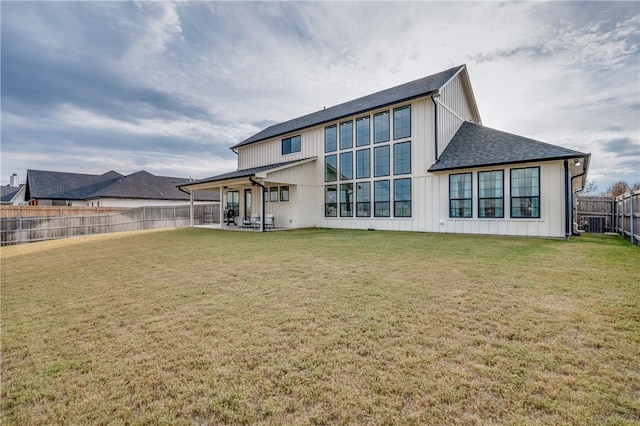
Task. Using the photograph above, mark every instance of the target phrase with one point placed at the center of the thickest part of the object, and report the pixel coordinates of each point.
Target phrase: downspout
(584, 172)
(435, 122)
(262, 200)
(567, 224)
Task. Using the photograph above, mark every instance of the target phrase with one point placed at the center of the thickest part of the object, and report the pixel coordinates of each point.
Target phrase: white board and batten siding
(552, 202)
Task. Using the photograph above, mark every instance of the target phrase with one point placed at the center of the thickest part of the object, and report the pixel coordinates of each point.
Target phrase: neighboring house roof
(248, 172)
(8, 192)
(43, 184)
(404, 92)
(474, 145)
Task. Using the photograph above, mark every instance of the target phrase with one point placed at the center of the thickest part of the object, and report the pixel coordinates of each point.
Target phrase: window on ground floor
(346, 200)
(402, 197)
(491, 194)
(381, 192)
(460, 195)
(525, 192)
(284, 193)
(331, 201)
(273, 194)
(363, 199)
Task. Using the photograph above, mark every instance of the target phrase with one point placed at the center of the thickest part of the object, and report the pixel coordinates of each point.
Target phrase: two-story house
(414, 157)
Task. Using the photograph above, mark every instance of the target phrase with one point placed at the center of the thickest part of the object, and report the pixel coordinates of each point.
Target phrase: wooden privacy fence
(18, 230)
(627, 215)
(39, 211)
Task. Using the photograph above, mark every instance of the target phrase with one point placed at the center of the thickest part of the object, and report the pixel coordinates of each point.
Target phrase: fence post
(20, 229)
(144, 217)
(175, 223)
(631, 218)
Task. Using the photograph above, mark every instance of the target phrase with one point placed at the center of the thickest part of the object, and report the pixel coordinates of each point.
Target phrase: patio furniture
(268, 221)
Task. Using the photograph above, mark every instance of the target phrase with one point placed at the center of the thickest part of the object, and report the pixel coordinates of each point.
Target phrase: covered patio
(248, 197)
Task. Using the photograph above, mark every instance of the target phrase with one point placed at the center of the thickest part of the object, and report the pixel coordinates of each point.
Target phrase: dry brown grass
(197, 326)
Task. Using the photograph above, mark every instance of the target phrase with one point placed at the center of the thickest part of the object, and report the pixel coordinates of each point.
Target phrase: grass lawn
(195, 326)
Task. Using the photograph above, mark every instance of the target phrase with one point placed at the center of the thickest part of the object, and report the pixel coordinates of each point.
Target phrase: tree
(589, 189)
(618, 188)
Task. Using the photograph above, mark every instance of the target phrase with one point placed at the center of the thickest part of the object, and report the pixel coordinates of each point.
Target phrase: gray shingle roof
(43, 184)
(7, 192)
(245, 172)
(474, 145)
(411, 90)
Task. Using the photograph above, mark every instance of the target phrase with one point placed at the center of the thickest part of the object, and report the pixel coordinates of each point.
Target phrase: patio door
(247, 203)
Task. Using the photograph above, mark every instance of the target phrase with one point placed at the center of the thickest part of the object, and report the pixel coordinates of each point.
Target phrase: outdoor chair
(268, 221)
(254, 221)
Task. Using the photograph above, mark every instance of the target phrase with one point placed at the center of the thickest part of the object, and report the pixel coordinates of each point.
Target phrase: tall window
(460, 195)
(402, 122)
(525, 192)
(381, 198)
(381, 161)
(330, 139)
(346, 135)
(346, 200)
(490, 194)
(290, 145)
(330, 168)
(381, 127)
(363, 163)
(331, 201)
(363, 199)
(402, 197)
(284, 193)
(346, 166)
(363, 131)
(402, 158)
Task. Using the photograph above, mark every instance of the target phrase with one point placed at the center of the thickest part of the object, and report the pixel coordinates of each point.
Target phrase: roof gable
(403, 92)
(474, 145)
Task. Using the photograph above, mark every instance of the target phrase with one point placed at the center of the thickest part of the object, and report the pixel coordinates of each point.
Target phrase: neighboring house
(12, 194)
(111, 189)
(411, 158)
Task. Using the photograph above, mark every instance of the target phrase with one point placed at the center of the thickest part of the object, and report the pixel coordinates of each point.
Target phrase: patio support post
(221, 212)
(190, 208)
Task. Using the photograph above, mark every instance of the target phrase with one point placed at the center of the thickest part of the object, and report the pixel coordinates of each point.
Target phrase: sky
(169, 87)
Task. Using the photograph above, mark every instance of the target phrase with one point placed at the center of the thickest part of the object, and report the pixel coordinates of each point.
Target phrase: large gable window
(381, 161)
(330, 168)
(525, 192)
(331, 201)
(402, 197)
(363, 199)
(330, 138)
(346, 165)
(381, 193)
(402, 158)
(381, 127)
(363, 131)
(346, 135)
(291, 145)
(460, 195)
(490, 194)
(402, 122)
(346, 200)
(363, 163)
